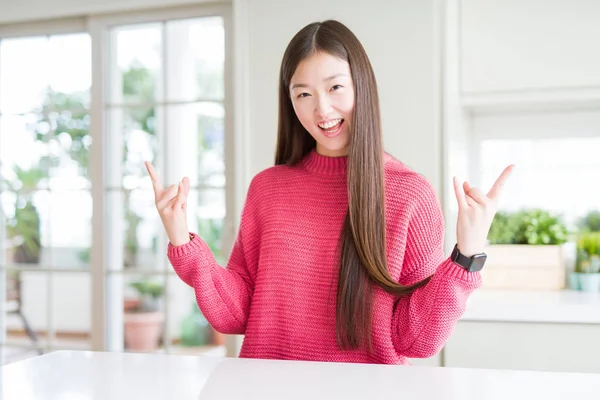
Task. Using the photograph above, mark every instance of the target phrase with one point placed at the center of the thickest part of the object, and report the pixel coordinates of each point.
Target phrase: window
(45, 197)
(78, 225)
(555, 155)
(555, 174)
(164, 101)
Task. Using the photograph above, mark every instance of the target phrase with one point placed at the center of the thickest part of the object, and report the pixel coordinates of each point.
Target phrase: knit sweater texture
(279, 286)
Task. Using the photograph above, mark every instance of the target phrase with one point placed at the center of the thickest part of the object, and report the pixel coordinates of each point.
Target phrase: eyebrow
(298, 85)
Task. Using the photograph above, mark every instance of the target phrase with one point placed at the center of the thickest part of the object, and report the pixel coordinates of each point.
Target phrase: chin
(336, 146)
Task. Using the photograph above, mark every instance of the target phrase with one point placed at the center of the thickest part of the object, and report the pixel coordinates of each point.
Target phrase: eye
(336, 87)
(302, 95)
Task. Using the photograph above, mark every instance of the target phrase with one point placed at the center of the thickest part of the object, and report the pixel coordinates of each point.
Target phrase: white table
(73, 375)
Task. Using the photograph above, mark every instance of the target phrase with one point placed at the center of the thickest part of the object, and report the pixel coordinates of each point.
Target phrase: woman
(339, 254)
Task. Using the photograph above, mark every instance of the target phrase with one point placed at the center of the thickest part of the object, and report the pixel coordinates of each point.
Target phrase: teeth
(331, 123)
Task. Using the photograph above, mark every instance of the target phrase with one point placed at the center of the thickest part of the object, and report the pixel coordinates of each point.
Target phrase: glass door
(164, 101)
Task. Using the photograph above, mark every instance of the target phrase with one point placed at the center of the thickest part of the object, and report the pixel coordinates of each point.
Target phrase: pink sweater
(279, 285)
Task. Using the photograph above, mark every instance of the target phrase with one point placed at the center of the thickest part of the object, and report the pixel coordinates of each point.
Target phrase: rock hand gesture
(476, 212)
(171, 206)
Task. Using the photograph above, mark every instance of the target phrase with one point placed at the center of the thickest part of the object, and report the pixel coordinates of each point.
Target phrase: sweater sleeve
(223, 294)
(424, 320)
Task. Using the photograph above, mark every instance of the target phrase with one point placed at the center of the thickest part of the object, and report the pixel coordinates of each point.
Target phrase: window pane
(24, 154)
(71, 305)
(34, 67)
(197, 135)
(195, 59)
(26, 225)
(133, 140)
(54, 139)
(71, 74)
(142, 229)
(69, 234)
(137, 68)
(27, 293)
(210, 218)
(24, 74)
(52, 228)
(554, 174)
(70, 148)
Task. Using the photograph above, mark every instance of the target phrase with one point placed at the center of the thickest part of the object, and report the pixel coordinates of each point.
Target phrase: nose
(323, 106)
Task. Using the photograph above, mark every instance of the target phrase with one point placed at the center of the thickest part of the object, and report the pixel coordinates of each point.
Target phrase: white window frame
(99, 29)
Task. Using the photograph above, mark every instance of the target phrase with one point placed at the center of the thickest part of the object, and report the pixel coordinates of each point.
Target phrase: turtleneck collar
(320, 164)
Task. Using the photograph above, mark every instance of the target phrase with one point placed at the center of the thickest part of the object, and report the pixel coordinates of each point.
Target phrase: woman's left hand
(476, 212)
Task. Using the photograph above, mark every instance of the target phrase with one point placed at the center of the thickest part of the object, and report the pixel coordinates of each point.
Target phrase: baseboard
(66, 335)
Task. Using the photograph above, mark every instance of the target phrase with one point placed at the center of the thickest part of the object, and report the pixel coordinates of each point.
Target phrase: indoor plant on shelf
(526, 251)
(587, 265)
(143, 320)
(590, 222)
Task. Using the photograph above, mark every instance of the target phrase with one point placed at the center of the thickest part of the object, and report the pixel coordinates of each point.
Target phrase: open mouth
(332, 127)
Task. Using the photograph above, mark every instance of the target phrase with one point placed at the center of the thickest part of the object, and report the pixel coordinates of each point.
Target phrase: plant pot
(525, 267)
(130, 305)
(143, 330)
(589, 282)
(24, 255)
(573, 278)
(195, 329)
(218, 338)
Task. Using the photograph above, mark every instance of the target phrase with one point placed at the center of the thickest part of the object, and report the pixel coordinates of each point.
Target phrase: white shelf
(551, 99)
(534, 306)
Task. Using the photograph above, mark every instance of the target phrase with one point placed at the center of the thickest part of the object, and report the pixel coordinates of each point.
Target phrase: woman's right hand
(171, 206)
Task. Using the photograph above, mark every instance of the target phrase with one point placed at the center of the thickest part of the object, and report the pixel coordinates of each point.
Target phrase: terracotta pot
(130, 304)
(218, 338)
(143, 330)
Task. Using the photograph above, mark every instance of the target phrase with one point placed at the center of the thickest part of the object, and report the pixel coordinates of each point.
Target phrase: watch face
(477, 262)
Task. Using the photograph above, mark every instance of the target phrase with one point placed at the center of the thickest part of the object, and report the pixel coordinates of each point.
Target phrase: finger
(470, 201)
(186, 186)
(180, 199)
(169, 195)
(156, 183)
(460, 194)
(495, 191)
(474, 193)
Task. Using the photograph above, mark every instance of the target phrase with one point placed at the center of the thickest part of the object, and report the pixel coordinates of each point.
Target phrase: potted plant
(24, 228)
(587, 265)
(143, 320)
(526, 251)
(590, 222)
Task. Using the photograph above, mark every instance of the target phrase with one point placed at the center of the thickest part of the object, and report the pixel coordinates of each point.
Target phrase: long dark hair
(362, 240)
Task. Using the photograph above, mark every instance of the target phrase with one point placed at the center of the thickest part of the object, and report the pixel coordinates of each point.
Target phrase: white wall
(401, 40)
(513, 45)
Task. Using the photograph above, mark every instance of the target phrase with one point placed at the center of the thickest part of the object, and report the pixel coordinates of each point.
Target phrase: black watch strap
(471, 264)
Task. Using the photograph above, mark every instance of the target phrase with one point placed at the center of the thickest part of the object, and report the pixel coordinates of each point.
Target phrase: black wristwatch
(471, 264)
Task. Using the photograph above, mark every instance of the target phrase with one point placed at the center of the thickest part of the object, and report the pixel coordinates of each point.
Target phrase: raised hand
(171, 206)
(476, 212)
